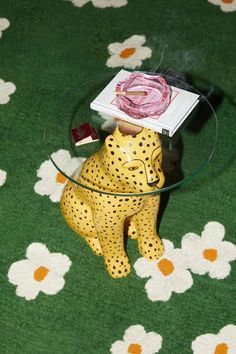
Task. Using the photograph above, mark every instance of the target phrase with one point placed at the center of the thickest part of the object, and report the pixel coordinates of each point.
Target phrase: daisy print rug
(56, 296)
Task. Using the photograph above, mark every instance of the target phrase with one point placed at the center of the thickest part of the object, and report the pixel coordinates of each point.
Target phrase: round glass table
(185, 154)
(99, 207)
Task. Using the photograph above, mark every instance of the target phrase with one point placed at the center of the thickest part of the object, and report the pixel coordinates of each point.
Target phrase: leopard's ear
(108, 150)
(109, 143)
(116, 148)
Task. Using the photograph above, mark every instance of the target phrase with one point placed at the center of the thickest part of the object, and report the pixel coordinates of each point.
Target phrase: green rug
(55, 295)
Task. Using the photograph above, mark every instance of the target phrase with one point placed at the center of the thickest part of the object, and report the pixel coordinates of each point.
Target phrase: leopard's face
(134, 161)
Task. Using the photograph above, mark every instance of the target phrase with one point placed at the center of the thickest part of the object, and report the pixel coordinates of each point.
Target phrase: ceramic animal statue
(124, 164)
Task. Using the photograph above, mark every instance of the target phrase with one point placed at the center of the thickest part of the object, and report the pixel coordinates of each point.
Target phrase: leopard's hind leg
(78, 216)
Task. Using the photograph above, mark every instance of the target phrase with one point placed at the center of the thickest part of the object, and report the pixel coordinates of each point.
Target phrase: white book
(181, 104)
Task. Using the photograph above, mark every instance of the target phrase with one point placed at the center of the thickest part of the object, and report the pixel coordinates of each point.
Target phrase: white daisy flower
(100, 3)
(4, 24)
(168, 274)
(209, 253)
(136, 341)
(41, 271)
(225, 5)
(52, 181)
(128, 54)
(3, 177)
(222, 343)
(6, 89)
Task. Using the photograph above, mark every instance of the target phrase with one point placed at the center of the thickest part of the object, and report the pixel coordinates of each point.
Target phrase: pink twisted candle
(142, 95)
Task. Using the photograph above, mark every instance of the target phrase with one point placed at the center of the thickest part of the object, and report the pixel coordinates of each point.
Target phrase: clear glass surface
(185, 155)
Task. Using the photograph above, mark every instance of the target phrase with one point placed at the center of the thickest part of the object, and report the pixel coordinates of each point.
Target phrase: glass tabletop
(185, 154)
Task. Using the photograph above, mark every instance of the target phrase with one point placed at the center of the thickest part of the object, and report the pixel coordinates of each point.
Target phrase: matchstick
(130, 93)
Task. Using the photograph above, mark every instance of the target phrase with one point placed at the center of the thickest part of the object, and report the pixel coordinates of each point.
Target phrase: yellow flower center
(127, 52)
(221, 348)
(166, 266)
(60, 178)
(134, 349)
(40, 273)
(227, 1)
(210, 254)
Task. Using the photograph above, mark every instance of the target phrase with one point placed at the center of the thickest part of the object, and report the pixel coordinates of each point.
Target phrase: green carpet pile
(55, 295)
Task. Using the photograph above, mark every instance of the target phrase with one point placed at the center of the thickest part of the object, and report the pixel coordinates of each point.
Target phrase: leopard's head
(134, 162)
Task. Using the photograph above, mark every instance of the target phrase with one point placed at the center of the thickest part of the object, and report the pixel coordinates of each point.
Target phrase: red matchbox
(84, 134)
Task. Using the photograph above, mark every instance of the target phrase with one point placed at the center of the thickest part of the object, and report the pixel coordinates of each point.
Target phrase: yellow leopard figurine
(124, 164)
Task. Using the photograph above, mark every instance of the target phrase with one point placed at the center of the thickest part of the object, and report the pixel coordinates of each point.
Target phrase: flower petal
(6, 89)
(178, 258)
(135, 333)
(227, 251)
(157, 289)
(9, 88)
(114, 61)
(109, 3)
(49, 184)
(79, 3)
(228, 334)
(205, 343)
(27, 291)
(3, 177)
(61, 157)
(181, 281)
(43, 187)
(145, 268)
(37, 253)
(132, 62)
(4, 98)
(52, 284)
(55, 196)
(215, 2)
(144, 53)
(191, 242)
(119, 347)
(192, 247)
(115, 48)
(134, 41)
(168, 245)
(58, 263)
(228, 8)
(152, 343)
(73, 164)
(213, 233)
(46, 170)
(220, 270)
(200, 266)
(4, 24)
(19, 271)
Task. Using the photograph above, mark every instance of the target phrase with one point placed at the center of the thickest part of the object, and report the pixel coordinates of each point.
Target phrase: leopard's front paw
(151, 247)
(94, 244)
(118, 267)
